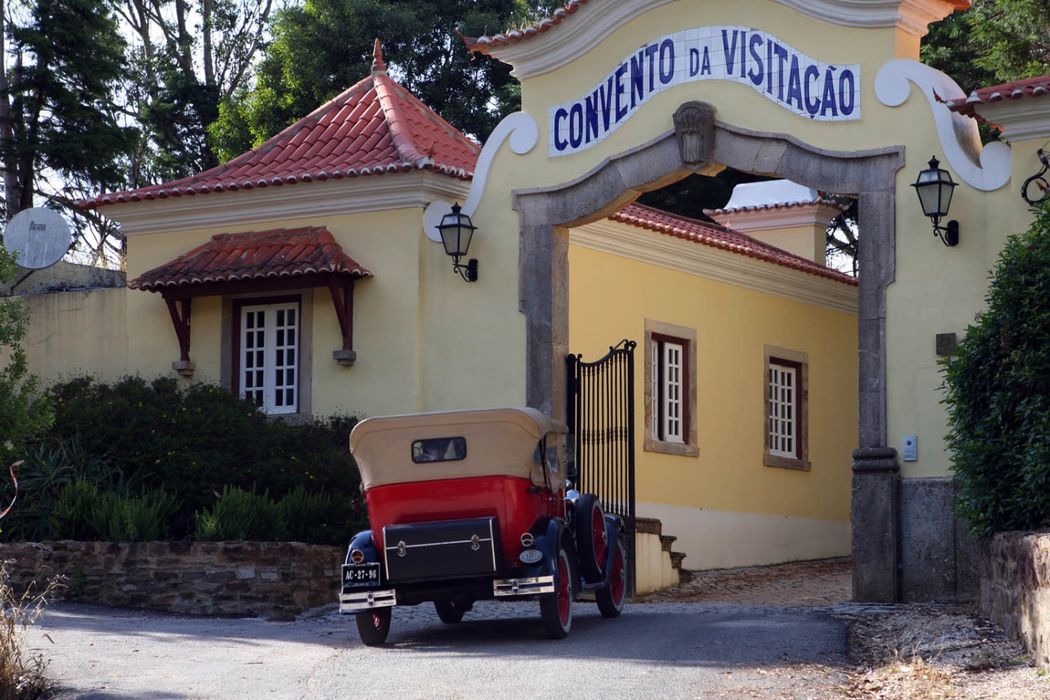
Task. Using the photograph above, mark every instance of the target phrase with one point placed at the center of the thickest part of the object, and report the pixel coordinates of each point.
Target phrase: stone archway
(698, 142)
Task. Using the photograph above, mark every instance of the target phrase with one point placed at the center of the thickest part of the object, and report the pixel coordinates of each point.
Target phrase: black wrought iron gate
(601, 421)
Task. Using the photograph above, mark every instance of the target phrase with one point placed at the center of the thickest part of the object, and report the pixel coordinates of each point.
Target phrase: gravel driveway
(737, 633)
(668, 650)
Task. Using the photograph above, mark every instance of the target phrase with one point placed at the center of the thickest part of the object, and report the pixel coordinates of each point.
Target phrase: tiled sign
(796, 82)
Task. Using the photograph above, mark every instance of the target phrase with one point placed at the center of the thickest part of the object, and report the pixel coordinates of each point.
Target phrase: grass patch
(22, 675)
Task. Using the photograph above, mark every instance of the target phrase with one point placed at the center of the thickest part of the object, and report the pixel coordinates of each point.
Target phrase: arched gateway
(699, 143)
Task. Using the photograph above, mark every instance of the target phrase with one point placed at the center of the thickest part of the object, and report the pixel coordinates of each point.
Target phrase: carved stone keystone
(694, 126)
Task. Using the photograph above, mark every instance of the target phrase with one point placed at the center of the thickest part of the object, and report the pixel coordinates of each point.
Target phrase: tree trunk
(7, 135)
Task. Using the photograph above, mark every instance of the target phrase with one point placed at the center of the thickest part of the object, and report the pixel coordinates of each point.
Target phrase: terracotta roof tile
(773, 206)
(375, 127)
(237, 257)
(720, 237)
(1039, 86)
(484, 44)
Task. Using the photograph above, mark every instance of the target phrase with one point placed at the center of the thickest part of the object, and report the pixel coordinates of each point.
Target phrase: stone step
(653, 526)
(648, 526)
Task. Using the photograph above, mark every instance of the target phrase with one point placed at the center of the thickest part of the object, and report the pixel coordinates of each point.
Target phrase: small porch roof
(279, 255)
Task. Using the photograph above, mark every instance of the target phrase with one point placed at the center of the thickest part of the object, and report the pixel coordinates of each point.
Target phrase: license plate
(360, 575)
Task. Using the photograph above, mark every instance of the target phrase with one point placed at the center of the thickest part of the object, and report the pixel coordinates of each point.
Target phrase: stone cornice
(748, 220)
(306, 200)
(719, 265)
(1020, 120)
(594, 21)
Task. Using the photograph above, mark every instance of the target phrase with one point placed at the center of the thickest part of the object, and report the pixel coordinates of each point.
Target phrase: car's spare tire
(592, 540)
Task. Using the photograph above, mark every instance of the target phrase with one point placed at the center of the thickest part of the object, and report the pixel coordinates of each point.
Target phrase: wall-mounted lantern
(456, 231)
(935, 186)
(1037, 184)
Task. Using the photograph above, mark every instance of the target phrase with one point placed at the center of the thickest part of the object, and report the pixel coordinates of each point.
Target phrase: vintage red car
(474, 505)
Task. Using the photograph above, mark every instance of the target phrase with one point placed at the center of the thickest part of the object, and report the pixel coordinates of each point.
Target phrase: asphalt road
(670, 650)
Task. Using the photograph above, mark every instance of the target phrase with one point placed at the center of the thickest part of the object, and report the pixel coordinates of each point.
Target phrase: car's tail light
(357, 556)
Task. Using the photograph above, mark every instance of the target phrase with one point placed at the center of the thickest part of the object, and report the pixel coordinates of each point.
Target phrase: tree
(842, 242)
(324, 46)
(24, 413)
(189, 56)
(691, 195)
(998, 394)
(56, 100)
(993, 42)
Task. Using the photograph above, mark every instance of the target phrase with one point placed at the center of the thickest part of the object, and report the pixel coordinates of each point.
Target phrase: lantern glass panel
(456, 238)
(947, 188)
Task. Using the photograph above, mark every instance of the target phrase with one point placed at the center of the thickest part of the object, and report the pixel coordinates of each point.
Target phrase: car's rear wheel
(450, 611)
(374, 626)
(591, 538)
(611, 596)
(556, 607)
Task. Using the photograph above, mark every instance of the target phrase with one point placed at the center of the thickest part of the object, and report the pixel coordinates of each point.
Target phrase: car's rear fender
(556, 533)
(613, 531)
(363, 541)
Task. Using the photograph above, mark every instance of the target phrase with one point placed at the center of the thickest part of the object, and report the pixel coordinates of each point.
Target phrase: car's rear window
(446, 449)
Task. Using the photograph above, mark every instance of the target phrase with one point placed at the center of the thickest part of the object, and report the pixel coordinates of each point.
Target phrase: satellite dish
(37, 237)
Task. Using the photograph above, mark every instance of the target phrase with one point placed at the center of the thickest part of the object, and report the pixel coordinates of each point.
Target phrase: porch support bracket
(343, 299)
(179, 310)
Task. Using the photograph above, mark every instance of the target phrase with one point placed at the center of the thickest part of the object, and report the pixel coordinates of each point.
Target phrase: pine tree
(57, 102)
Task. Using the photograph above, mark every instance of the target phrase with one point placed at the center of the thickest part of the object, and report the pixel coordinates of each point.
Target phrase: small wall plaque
(946, 344)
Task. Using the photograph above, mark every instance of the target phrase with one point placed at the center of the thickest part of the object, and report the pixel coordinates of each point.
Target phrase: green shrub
(304, 514)
(194, 443)
(48, 467)
(84, 512)
(72, 517)
(241, 515)
(24, 413)
(998, 394)
(146, 518)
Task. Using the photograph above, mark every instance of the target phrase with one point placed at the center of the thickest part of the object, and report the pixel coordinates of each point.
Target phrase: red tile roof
(773, 206)
(1029, 87)
(375, 127)
(239, 257)
(720, 237)
(483, 44)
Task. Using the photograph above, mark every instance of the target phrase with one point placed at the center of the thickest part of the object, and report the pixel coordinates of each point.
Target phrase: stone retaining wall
(271, 579)
(1015, 589)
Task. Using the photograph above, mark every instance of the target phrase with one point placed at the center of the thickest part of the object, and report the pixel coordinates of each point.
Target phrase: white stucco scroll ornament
(985, 168)
(521, 131)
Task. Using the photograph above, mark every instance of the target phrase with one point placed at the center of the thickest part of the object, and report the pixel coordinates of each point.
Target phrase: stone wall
(271, 579)
(1015, 589)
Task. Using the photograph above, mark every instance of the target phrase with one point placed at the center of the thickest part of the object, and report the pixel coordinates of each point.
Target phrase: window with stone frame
(786, 408)
(670, 389)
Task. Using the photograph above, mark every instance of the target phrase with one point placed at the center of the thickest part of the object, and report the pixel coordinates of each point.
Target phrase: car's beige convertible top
(499, 442)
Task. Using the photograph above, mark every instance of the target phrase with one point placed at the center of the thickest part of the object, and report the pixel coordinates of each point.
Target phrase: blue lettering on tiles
(796, 82)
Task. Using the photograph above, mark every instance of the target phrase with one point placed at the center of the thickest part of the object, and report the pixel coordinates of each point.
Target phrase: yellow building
(746, 380)
(619, 97)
